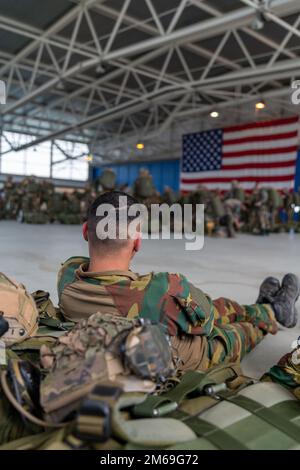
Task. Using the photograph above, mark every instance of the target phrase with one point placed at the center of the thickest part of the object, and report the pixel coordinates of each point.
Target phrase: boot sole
(294, 310)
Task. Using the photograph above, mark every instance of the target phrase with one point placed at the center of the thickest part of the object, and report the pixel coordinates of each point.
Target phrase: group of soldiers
(261, 211)
(34, 201)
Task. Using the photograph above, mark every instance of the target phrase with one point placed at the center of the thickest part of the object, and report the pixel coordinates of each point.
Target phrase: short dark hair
(113, 199)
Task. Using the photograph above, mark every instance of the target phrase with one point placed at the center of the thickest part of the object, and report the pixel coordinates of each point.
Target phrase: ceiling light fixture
(100, 69)
(259, 21)
(260, 104)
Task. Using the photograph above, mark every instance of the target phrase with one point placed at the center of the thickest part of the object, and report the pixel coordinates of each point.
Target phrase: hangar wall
(164, 172)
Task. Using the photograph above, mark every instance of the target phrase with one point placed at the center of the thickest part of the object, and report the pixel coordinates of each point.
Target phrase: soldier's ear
(85, 231)
(137, 243)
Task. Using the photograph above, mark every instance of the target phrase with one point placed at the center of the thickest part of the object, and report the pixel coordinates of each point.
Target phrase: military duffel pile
(112, 383)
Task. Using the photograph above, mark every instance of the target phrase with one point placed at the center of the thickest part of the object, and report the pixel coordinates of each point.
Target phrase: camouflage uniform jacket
(163, 297)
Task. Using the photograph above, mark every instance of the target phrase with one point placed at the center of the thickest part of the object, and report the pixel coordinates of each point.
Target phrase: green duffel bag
(69, 219)
(38, 218)
(216, 410)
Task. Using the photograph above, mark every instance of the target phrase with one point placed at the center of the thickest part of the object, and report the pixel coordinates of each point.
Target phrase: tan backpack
(18, 309)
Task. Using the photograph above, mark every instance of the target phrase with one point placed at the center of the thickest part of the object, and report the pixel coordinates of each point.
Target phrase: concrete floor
(232, 268)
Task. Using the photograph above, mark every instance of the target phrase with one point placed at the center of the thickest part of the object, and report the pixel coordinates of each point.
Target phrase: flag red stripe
(255, 125)
(248, 166)
(261, 138)
(245, 153)
(242, 179)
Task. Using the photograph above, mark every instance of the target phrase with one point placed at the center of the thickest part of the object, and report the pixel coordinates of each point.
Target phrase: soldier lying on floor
(204, 332)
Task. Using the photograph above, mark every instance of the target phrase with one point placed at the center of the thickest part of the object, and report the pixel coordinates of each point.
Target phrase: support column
(51, 159)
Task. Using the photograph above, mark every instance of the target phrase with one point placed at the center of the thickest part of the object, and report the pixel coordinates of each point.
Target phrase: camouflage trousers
(237, 330)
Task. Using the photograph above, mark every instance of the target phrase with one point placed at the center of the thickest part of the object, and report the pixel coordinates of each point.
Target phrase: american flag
(263, 152)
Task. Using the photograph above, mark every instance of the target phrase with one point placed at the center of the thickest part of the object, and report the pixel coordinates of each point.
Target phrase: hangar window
(68, 158)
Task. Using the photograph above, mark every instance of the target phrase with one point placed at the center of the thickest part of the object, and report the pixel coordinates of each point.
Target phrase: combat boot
(268, 290)
(284, 301)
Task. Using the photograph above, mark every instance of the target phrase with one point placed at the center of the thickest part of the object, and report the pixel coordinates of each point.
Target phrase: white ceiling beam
(283, 69)
(57, 26)
(205, 29)
(31, 32)
(130, 138)
(149, 29)
(291, 7)
(21, 28)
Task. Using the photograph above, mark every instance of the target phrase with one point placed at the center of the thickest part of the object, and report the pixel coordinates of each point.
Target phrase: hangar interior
(114, 84)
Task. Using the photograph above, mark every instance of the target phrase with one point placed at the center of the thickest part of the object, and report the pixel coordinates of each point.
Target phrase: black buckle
(107, 391)
(4, 325)
(96, 405)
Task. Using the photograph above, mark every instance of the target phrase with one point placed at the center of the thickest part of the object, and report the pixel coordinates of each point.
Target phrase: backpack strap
(94, 419)
(218, 437)
(220, 378)
(266, 414)
(155, 406)
(11, 281)
(45, 306)
(56, 323)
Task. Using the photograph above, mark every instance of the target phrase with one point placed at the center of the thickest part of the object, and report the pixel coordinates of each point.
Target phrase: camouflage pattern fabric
(287, 372)
(93, 352)
(260, 212)
(238, 329)
(12, 198)
(231, 330)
